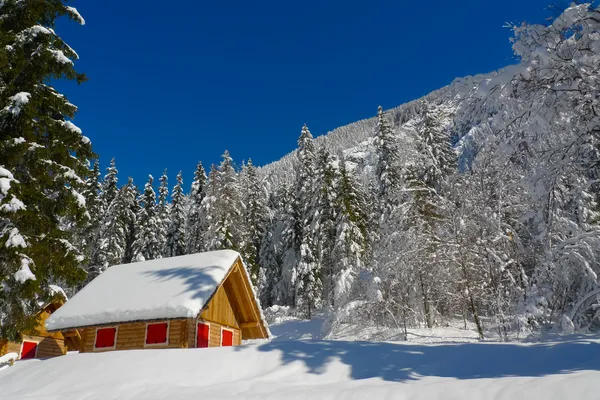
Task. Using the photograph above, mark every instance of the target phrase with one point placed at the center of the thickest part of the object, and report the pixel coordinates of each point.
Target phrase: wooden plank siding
(214, 339)
(132, 336)
(220, 310)
(47, 346)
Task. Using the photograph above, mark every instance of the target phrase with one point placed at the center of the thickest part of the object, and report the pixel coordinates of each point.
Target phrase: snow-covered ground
(297, 364)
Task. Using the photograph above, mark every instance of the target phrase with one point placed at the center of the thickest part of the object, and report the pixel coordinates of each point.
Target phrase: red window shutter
(157, 333)
(202, 335)
(105, 337)
(29, 349)
(227, 338)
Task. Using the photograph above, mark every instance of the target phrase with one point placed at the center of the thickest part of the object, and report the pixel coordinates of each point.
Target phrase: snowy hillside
(318, 369)
(352, 139)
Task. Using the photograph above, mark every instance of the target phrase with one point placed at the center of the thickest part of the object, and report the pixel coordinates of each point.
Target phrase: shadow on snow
(401, 362)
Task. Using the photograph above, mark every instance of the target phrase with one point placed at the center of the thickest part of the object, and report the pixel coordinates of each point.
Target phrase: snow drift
(318, 370)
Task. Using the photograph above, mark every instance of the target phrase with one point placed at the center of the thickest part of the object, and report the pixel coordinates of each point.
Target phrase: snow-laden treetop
(176, 287)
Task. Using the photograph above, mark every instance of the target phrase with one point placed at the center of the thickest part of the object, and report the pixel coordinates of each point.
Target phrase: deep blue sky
(174, 82)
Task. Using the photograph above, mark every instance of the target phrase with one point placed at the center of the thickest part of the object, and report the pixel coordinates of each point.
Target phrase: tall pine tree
(146, 242)
(308, 288)
(162, 217)
(43, 161)
(176, 233)
(254, 218)
(194, 226)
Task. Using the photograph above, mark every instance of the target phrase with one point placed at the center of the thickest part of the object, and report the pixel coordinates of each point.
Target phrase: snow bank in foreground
(318, 370)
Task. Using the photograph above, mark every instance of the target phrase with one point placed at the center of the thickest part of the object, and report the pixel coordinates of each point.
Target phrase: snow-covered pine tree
(388, 171)
(90, 237)
(110, 183)
(308, 287)
(194, 227)
(223, 209)
(274, 288)
(146, 242)
(44, 161)
(113, 236)
(351, 240)
(254, 217)
(323, 224)
(176, 233)
(162, 217)
(131, 209)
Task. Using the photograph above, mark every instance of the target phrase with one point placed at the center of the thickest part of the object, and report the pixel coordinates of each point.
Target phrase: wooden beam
(249, 324)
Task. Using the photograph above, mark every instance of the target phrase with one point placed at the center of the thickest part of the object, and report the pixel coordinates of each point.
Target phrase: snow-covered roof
(176, 287)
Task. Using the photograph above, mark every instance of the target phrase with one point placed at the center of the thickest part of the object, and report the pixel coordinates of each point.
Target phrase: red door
(202, 335)
(29, 350)
(227, 338)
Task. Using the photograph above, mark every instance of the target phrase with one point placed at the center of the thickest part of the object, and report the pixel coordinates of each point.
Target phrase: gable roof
(176, 287)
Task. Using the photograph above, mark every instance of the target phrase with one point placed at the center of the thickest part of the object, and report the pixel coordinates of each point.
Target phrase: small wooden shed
(39, 343)
(191, 301)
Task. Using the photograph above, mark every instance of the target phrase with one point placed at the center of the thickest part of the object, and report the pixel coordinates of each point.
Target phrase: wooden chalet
(39, 343)
(191, 301)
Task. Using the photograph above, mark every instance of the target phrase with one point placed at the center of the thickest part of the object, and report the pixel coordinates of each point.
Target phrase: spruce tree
(44, 161)
(146, 246)
(131, 209)
(324, 219)
(176, 233)
(254, 218)
(222, 208)
(194, 227)
(96, 208)
(308, 288)
(388, 171)
(110, 183)
(351, 240)
(162, 217)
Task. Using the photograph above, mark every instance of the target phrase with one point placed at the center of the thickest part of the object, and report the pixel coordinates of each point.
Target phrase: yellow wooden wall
(132, 336)
(215, 335)
(47, 346)
(219, 310)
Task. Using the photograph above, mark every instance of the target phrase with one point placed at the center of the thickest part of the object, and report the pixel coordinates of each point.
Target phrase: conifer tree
(273, 287)
(222, 208)
(162, 218)
(194, 226)
(324, 219)
(44, 161)
(146, 246)
(176, 233)
(351, 240)
(110, 183)
(388, 171)
(91, 233)
(131, 209)
(113, 233)
(308, 288)
(254, 218)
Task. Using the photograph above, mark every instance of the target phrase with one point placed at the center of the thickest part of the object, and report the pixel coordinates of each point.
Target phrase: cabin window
(28, 350)
(157, 334)
(226, 337)
(106, 338)
(202, 334)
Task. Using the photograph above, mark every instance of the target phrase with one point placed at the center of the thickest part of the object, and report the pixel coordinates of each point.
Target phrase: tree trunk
(425, 301)
(404, 323)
